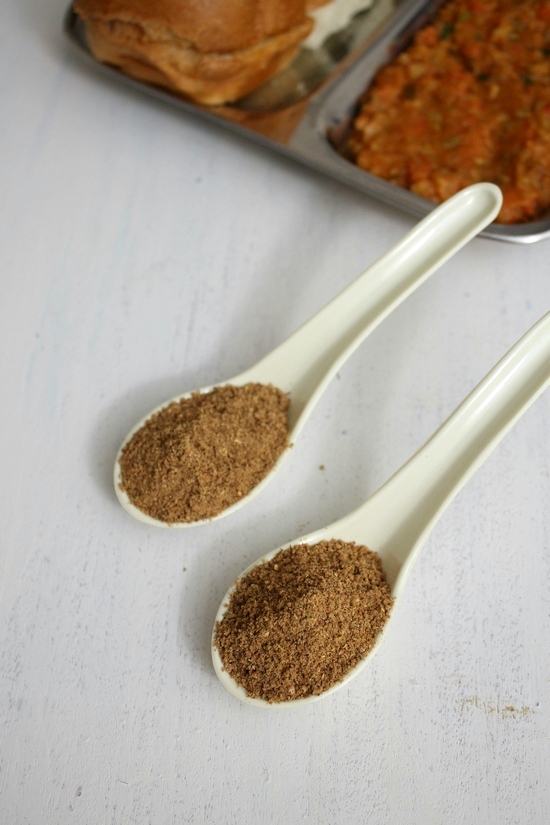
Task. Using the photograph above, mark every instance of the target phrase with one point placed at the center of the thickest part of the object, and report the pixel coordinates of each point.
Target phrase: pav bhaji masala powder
(295, 625)
(198, 456)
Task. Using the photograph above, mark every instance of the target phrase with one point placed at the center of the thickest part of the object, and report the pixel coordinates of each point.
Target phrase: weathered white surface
(146, 252)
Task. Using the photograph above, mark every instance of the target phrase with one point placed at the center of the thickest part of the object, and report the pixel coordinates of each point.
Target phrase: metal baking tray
(301, 112)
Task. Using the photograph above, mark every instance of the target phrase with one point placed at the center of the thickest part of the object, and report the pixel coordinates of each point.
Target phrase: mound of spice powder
(198, 456)
(295, 625)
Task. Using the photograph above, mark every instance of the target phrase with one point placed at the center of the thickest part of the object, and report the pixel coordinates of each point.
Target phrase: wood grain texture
(145, 253)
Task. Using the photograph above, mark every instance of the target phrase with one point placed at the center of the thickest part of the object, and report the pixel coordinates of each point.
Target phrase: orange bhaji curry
(468, 101)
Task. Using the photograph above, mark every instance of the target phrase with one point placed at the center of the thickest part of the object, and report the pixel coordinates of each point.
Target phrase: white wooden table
(145, 252)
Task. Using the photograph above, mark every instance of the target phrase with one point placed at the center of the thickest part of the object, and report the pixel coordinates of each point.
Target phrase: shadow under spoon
(304, 364)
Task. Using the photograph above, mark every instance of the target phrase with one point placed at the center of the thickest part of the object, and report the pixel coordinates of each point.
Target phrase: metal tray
(300, 112)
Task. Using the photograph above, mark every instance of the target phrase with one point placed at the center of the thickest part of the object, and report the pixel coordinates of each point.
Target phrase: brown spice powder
(198, 456)
(297, 624)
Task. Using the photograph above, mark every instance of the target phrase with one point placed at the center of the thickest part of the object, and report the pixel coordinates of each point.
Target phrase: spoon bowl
(304, 364)
(397, 519)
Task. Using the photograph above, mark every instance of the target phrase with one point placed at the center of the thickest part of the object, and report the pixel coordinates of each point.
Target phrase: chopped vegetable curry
(468, 101)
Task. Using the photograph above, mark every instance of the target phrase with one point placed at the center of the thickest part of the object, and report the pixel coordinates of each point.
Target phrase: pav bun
(211, 51)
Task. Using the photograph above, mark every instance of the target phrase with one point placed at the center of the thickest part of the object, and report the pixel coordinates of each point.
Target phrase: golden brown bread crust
(210, 25)
(211, 79)
(213, 51)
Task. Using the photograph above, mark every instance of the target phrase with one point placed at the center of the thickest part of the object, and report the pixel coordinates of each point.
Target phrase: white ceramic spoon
(396, 521)
(304, 364)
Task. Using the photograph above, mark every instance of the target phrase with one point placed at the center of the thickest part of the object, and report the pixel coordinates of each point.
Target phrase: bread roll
(212, 51)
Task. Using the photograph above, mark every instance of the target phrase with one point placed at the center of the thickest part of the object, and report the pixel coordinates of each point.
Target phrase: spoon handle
(310, 357)
(401, 514)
